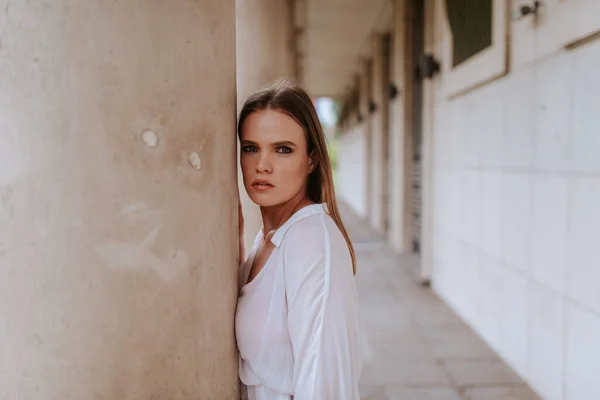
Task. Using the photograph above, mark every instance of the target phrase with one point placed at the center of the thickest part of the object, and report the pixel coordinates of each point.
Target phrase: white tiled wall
(545, 371)
(585, 89)
(517, 218)
(582, 363)
(514, 320)
(352, 169)
(549, 231)
(583, 251)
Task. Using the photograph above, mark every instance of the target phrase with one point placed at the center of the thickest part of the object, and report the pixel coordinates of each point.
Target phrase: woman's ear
(312, 161)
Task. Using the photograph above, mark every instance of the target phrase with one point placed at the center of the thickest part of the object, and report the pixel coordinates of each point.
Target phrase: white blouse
(297, 323)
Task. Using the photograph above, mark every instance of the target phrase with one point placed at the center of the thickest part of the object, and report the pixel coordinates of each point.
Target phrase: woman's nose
(264, 163)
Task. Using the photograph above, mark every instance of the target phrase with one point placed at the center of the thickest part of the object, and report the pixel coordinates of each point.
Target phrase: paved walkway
(416, 348)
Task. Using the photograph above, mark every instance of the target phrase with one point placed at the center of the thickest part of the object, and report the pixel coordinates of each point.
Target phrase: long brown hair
(293, 100)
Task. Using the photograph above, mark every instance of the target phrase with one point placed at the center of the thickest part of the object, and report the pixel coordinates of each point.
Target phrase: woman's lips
(262, 185)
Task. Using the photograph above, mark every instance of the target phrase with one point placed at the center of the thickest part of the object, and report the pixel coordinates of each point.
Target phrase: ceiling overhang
(334, 37)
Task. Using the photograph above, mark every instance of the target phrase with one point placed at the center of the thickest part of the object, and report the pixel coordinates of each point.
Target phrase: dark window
(471, 25)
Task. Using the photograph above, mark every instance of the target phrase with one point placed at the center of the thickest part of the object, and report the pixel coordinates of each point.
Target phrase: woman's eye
(249, 149)
(284, 150)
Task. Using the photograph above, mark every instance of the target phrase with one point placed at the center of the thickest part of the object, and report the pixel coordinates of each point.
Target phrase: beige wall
(516, 178)
(265, 52)
(265, 44)
(117, 248)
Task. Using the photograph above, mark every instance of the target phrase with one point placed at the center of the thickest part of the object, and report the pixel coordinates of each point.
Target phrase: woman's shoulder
(314, 233)
(311, 224)
(315, 245)
(310, 229)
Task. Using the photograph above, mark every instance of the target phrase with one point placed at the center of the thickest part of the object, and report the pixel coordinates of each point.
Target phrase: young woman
(297, 321)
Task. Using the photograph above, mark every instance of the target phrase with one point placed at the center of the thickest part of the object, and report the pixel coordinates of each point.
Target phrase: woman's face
(274, 160)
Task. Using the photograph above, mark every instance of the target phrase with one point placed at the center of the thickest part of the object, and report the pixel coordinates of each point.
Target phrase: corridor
(415, 347)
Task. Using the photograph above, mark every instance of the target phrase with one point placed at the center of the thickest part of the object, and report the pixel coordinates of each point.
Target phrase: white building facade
(488, 169)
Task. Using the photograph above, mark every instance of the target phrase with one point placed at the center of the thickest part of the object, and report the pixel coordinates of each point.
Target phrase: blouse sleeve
(323, 318)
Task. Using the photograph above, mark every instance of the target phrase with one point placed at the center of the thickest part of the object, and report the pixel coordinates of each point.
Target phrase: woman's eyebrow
(284, 143)
(276, 144)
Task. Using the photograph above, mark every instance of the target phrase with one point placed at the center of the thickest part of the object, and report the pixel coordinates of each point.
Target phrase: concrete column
(399, 112)
(118, 207)
(357, 100)
(364, 125)
(378, 157)
(265, 52)
(429, 95)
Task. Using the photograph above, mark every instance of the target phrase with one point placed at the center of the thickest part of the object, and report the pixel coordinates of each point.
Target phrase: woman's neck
(275, 216)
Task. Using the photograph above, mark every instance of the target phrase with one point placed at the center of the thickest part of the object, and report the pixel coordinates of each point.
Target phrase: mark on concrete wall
(139, 255)
(149, 138)
(195, 160)
(194, 157)
(152, 252)
(133, 208)
(213, 25)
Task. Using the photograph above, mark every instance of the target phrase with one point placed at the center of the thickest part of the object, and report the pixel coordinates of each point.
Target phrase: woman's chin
(263, 199)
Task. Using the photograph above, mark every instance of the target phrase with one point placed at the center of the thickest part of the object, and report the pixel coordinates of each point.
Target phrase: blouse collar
(302, 213)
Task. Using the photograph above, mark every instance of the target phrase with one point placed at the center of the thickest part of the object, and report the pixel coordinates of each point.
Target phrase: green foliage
(332, 146)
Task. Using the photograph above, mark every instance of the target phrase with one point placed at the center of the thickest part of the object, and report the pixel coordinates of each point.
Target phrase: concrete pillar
(364, 126)
(378, 149)
(265, 52)
(118, 208)
(399, 112)
(429, 95)
(357, 101)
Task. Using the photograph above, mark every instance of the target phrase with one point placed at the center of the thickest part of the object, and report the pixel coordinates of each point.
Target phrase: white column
(118, 208)
(398, 143)
(378, 159)
(427, 237)
(364, 128)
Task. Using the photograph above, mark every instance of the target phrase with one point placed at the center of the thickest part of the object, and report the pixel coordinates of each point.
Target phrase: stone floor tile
(398, 371)
(481, 372)
(500, 393)
(421, 394)
(461, 349)
(452, 333)
(371, 392)
(404, 393)
(456, 341)
(436, 316)
(406, 350)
